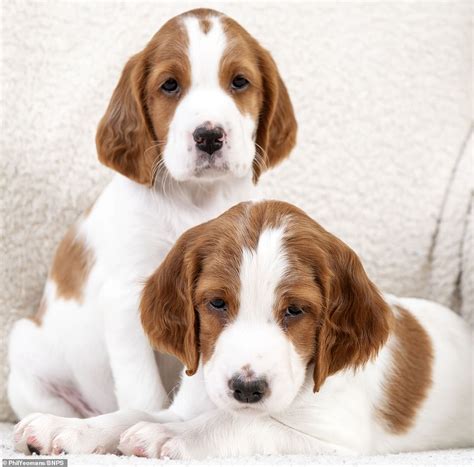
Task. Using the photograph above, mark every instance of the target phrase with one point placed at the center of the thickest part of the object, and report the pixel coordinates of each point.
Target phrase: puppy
(289, 349)
(194, 120)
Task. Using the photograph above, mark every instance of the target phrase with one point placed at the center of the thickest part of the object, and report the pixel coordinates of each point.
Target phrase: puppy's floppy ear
(124, 137)
(167, 309)
(277, 127)
(356, 321)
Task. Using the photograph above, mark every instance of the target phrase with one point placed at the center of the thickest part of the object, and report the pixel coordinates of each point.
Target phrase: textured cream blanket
(381, 92)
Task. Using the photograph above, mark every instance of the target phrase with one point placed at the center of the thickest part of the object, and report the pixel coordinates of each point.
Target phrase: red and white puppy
(290, 348)
(194, 120)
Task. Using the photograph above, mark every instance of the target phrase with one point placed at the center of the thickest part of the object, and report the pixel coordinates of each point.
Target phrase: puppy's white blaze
(261, 272)
(205, 52)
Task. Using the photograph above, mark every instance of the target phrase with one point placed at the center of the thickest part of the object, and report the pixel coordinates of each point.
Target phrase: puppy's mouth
(255, 408)
(211, 166)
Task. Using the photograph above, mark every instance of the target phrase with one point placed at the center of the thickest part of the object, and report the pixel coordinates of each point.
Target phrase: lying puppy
(194, 120)
(290, 348)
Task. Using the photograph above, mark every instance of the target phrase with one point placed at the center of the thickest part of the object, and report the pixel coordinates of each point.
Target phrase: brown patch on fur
(71, 265)
(215, 282)
(37, 318)
(299, 289)
(135, 125)
(266, 99)
(247, 371)
(356, 319)
(411, 376)
(241, 57)
(205, 25)
(204, 16)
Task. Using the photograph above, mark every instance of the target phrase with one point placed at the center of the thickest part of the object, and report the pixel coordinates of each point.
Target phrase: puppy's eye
(218, 304)
(239, 83)
(293, 311)
(170, 86)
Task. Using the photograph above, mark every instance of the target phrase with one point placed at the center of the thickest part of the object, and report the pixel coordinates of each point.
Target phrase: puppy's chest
(138, 240)
(170, 222)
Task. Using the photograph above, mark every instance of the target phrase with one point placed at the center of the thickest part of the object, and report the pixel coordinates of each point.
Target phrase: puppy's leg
(48, 434)
(137, 381)
(221, 434)
(190, 401)
(27, 394)
(30, 356)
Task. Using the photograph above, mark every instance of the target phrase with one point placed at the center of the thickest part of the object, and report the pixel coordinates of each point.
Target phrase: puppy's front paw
(174, 448)
(48, 434)
(154, 440)
(34, 434)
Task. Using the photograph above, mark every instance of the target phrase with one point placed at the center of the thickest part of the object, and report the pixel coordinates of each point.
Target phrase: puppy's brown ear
(167, 310)
(124, 138)
(356, 321)
(277, 127)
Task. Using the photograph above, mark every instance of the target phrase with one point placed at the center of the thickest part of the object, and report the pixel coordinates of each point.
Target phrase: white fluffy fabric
(382, 93)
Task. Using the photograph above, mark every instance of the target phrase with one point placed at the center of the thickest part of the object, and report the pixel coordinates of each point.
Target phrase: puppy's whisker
(154, 146)
(260, 162)
(160, 173)
(155, 167)
(261, 158)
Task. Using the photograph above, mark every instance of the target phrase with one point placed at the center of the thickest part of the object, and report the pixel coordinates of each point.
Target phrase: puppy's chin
(205, 174)
(249, 410)
(209, 173)
(202, 176)
(228, 404)
(254, 410)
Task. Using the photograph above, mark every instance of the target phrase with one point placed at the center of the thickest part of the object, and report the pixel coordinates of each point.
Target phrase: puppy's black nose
(248, 392)
(209, 139)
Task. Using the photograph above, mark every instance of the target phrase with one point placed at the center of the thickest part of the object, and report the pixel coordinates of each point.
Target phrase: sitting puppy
(289, 349)
(194, 120)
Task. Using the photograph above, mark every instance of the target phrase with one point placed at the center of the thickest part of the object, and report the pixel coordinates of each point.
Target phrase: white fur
(95, 351)
(260, 273)
(340, 418)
